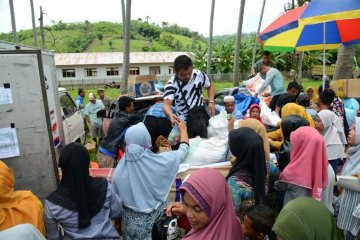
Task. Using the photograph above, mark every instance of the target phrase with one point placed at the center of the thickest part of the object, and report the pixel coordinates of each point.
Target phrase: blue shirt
(79, 102)
(157, 111)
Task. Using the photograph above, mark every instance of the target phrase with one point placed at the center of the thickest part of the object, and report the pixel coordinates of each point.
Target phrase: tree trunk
(126, 52)
(257, 34)
(208, 70)
(13, 22)
(123, 15)
(344, 63)
(298, 76)
(33, 23)
(238, 42)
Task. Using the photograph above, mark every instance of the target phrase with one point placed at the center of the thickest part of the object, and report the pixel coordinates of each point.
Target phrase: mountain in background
(108, 37)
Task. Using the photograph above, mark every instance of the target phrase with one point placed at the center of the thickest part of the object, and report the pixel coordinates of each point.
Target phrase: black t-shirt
(285, 99)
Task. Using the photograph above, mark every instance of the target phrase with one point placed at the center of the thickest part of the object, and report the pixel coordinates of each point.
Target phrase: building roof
(101, 58)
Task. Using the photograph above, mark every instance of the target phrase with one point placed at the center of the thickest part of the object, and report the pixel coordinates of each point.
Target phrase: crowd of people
(293, 196)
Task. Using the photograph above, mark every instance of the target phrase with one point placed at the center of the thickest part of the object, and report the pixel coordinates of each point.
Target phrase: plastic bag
(207, 151)
(174, 136)
(253, 85)
(267, 116)
(218, 125)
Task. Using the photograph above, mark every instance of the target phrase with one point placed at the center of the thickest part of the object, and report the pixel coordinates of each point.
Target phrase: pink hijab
(252, 106)
(308, 165)
(211, 192)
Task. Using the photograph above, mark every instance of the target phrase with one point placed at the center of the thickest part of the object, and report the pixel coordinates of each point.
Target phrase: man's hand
(173, 119)
(175, 208)
(181, 125)
(212, 108)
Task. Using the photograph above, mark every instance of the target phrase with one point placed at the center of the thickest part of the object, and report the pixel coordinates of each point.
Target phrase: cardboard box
(346, 88)
(141, 85)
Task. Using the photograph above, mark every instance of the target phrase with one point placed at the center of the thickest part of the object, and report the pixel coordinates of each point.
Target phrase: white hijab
(352, 165)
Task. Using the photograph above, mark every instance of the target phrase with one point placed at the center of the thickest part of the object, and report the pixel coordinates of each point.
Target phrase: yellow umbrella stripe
(331, 17)
(317, 47)
(285, 39)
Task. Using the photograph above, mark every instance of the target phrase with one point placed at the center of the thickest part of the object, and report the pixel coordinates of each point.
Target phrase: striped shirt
(187, 95)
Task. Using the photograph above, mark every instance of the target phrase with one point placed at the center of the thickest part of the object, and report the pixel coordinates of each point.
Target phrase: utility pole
(13, 23)
(41, 19)
(33, 22)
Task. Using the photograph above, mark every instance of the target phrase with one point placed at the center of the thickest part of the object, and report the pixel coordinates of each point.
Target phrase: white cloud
(194, 14)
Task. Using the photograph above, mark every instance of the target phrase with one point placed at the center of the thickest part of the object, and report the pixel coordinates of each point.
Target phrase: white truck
(36, 118)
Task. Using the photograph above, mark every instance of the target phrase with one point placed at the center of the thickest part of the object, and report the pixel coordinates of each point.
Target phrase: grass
(117, 45)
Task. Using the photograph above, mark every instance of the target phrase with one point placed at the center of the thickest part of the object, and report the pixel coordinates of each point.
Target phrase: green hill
(107, 36)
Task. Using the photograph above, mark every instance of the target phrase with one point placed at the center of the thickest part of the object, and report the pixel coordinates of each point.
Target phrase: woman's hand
(175, 208)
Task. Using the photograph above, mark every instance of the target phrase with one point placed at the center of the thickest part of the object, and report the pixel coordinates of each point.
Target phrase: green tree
(208, 70)
(236, 80)
(110, 44)
(100, 37)
(344, 63)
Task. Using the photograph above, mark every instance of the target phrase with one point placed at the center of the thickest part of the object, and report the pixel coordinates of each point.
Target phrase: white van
(73, 122)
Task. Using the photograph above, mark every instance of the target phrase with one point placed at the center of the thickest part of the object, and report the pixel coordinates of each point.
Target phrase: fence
(95, 83)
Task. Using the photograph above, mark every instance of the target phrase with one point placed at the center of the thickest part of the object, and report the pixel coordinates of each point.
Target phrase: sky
(194, 14)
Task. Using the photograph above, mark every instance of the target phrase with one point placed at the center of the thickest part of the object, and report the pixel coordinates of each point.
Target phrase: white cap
(92, 96)
(229, 99)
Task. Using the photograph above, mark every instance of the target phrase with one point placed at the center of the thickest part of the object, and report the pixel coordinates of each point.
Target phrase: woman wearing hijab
(17, 207)
(349, 212)
(143, 180)
(314, 97)
(82, 206)
(275, 137)
(261, 131)
(305, 219)
(208, 207)
(246, 178)
(307, 173)
(255, 113)
(289, 125)
(328, 124)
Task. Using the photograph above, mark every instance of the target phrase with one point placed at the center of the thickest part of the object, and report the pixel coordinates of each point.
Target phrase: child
(258, 222)
(255, 112)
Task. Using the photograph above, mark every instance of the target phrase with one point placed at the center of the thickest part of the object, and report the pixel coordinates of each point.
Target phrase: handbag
(166, 228)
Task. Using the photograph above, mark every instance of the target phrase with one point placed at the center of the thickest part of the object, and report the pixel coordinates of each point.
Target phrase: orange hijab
(294, 109)
(17, 207)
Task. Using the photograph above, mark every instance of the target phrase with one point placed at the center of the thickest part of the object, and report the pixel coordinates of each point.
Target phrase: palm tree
(237, 45)
(344, 63)
(258, 32)
(208, 70)
(126, 51)
(33, 22)
(147, 19)
(123, 14)
(13, 23)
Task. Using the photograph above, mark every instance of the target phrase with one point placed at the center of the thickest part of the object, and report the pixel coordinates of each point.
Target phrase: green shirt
(91, 110)
(275, 79)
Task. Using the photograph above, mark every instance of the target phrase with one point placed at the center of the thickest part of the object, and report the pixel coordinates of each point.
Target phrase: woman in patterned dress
(246, 179)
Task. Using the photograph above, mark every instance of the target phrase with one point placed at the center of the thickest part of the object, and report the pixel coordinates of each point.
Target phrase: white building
(104, 67)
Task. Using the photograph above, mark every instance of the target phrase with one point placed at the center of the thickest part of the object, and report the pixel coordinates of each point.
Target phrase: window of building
(134, 71)
(90, 72)
(112, 71)
(171, 70)
(154, 70)
(68, 73)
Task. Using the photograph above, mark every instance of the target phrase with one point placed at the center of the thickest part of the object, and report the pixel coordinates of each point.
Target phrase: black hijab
(248, 148)
(291, 123)
(78, 191)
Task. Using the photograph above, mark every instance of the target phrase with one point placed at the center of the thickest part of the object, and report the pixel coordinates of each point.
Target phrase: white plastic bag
(208, 151)
(218, 125)
(253, 85)
(267, 116)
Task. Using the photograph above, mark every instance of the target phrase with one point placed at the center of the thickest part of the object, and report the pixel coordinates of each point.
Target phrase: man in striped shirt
(185, 88)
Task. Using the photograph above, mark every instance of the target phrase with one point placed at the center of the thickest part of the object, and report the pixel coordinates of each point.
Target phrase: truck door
(72, 125)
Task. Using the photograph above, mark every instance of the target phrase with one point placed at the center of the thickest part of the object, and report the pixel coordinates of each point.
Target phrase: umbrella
(320, 25)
